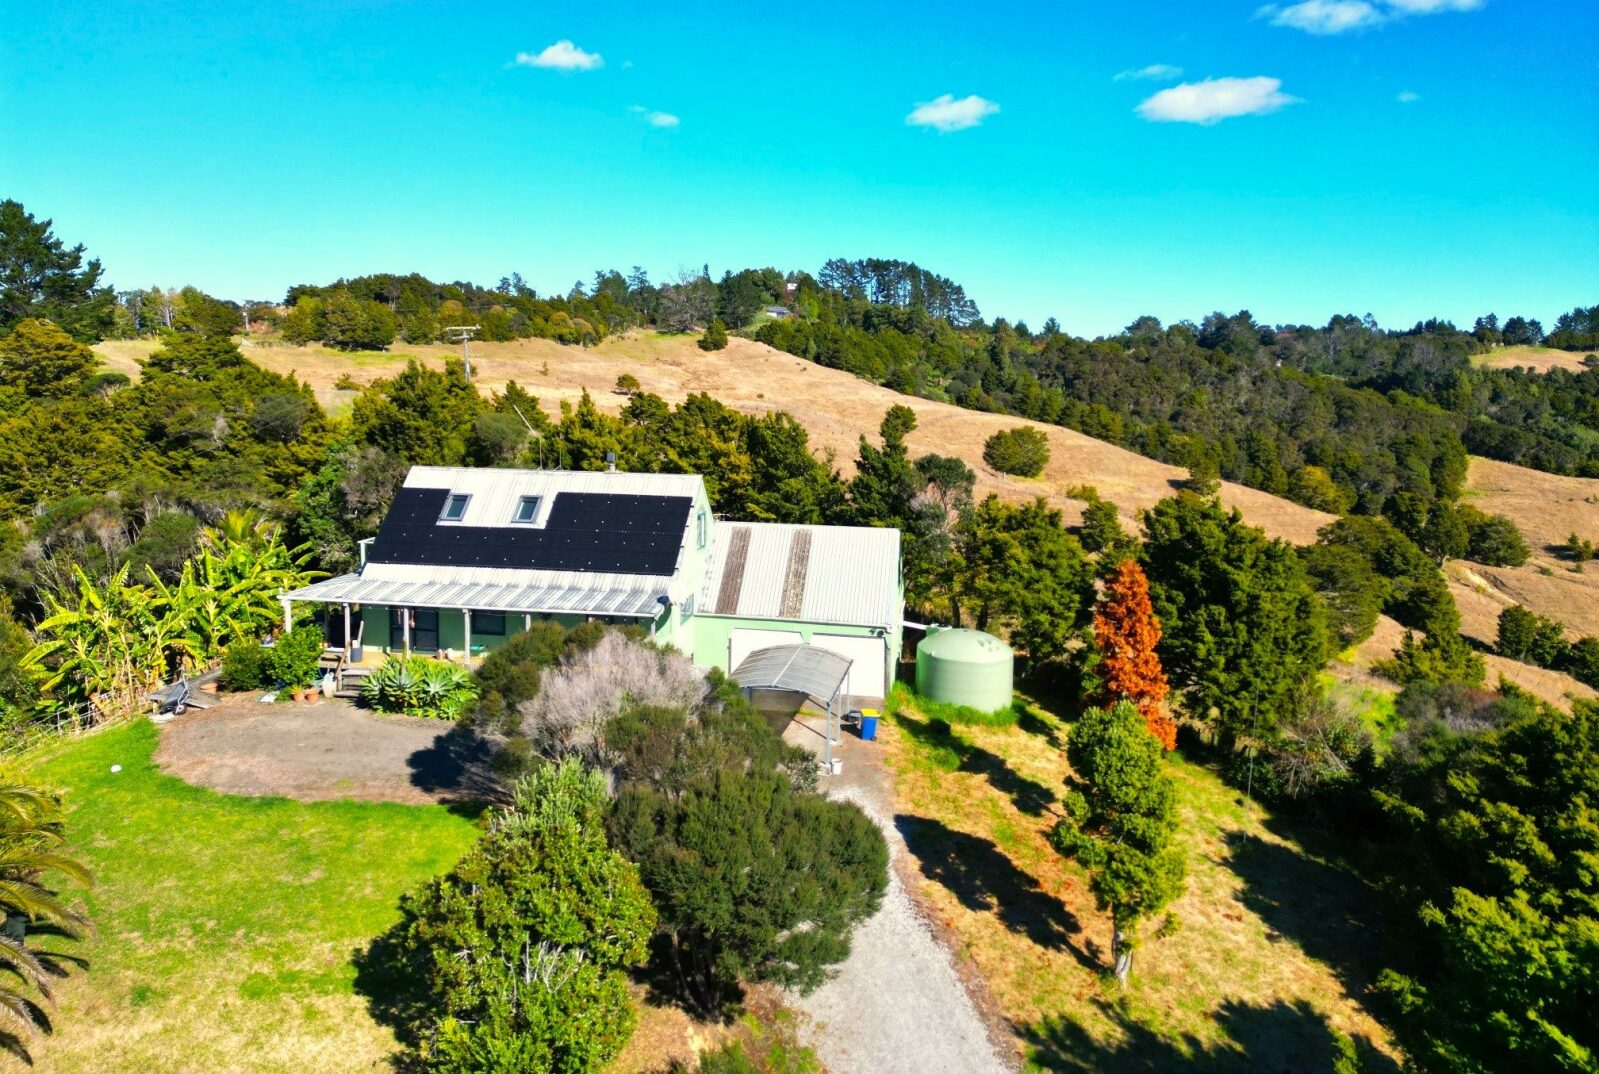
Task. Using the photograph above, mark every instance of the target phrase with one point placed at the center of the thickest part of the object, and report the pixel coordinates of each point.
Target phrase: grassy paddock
(226, 926)
(1272, 952)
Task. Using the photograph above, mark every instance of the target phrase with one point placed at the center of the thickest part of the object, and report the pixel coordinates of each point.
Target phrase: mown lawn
(1271, 957)
(227, 927)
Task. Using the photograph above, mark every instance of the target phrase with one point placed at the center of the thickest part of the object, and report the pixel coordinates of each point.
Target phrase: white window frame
(702, 530)
(516, 516)
(466, 502)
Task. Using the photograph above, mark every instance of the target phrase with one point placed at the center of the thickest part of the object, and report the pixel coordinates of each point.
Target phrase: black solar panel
(605, 533)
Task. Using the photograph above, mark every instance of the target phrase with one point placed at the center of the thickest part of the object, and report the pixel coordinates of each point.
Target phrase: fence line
(73, 720)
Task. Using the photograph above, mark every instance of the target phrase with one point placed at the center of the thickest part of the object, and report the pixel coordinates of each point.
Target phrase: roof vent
(610, 462)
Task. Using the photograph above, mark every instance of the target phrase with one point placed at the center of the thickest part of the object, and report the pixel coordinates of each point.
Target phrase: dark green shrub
(715, 337)
(247, 665)
(754, 880)
(1023, 451)
(296, 655)
(520, 950)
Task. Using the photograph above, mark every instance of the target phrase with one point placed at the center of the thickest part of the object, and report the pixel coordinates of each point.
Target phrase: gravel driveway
(897, 1005)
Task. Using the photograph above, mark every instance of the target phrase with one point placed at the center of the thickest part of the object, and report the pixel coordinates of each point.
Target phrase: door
(868, 670)
(424, 629)
(745, 641)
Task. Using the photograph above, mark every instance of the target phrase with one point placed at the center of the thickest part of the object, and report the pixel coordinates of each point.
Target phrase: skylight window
(455, 507)
(527, 510)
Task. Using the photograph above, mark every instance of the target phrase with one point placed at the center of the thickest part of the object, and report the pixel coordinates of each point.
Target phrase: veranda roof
(640, 603)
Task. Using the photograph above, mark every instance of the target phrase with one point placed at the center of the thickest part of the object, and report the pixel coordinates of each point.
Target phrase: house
(468, 557)
(777, 312)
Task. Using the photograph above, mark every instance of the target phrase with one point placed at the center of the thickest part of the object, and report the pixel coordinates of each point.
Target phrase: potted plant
(295, 660)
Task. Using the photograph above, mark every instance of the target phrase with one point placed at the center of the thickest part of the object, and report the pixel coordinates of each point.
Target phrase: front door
(424, 629)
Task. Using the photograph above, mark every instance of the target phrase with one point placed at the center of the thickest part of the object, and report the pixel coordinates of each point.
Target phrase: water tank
(965, 667)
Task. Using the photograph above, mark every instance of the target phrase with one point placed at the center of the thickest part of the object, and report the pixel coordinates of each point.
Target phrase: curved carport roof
(802, 669)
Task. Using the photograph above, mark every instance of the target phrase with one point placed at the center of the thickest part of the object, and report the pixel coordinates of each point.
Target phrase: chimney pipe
(610, 462)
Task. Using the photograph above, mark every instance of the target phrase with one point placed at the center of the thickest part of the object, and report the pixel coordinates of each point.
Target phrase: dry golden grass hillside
(1541, 359)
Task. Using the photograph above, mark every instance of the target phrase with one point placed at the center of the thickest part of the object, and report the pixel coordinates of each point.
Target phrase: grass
(226, 926)
(1265, 971)
(900, 695)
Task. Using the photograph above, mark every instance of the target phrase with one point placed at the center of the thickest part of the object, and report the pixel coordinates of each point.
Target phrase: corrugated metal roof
(849, 576)
(817, 673)
(579, 599)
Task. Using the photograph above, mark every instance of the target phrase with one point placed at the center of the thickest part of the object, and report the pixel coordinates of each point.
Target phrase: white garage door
(869, 670)
(746, 641)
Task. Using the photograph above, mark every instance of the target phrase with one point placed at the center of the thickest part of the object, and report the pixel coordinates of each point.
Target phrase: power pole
(463, 333)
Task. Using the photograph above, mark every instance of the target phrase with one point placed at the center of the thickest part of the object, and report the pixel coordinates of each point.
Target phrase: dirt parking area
(326, 751)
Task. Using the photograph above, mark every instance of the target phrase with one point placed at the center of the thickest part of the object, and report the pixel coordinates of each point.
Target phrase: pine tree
(1126, 631)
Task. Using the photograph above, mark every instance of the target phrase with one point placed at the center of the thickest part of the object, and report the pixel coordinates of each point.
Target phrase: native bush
(755, 880)
(1022, 451)
(417, 686)
(296, 655)
(247, 665)
(520, 951)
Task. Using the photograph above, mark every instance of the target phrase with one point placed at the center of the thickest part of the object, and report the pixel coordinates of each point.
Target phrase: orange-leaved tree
(1126, 631)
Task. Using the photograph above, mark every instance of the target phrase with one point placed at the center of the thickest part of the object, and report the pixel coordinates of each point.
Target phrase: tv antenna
(462, 333)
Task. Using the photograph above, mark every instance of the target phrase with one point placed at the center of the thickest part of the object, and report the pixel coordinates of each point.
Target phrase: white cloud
(561, 56)
(1341, 16)
(947, 114)
(654, 118)
(1408, 97)
(1323, 16)
(1155, 72)
(1216, 99)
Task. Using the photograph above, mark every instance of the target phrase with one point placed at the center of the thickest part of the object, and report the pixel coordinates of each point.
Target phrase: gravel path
(897, 1005)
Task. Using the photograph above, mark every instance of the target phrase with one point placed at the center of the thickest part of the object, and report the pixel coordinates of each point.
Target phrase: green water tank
(965, 667)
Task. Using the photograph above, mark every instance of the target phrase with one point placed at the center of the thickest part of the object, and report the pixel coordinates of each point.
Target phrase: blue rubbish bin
(868, 725)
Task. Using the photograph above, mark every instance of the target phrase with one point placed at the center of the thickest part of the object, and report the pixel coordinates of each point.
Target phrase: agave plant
(31, 838)
(420, 687)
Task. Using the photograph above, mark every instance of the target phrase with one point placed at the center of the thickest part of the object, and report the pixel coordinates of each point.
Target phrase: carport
(800, 669)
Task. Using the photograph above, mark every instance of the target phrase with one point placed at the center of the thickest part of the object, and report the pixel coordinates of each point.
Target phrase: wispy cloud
(1328, 17)
(1324, 16)
(1408, 97)
(946, 114)
(561, 56)
(1216, 99)
(1155, 72)
(654, 118)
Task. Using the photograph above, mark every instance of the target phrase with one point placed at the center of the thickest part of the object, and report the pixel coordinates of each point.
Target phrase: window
(455, 507)
(489, 623)
(688, 606)
(527, 510)
(700, 528)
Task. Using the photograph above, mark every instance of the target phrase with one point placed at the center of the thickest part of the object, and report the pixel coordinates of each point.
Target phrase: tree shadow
(1280, 1037)
(1323, 909)
(458, 766)
(1030, 722)
(952, 753)
(975, 871)
(391, 984)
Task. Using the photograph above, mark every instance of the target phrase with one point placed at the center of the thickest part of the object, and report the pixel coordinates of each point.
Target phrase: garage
(869, 661)
(745, 641)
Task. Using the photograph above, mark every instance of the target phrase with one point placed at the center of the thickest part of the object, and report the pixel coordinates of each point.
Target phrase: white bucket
(838, 766)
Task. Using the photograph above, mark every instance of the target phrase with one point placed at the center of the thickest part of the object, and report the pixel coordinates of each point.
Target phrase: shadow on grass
(392, 986)
(975, 871)
(459, 766)
(1282, 1037)
(951, 753)
(1321, 908)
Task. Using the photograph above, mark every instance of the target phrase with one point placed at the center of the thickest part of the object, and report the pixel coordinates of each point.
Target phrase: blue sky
(1398, 157)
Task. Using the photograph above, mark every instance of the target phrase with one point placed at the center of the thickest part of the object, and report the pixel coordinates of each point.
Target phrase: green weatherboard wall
(965, 667)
